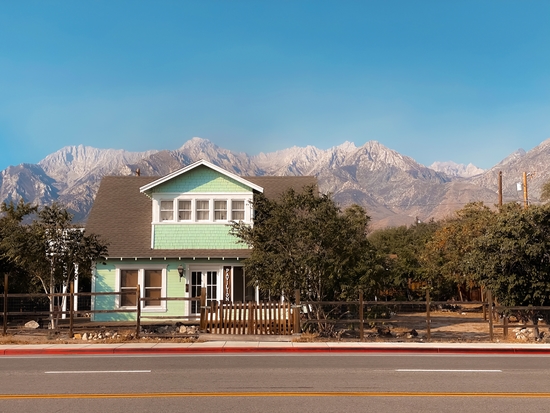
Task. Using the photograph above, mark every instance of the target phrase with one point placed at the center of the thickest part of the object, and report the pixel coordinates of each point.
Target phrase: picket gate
(250, 318)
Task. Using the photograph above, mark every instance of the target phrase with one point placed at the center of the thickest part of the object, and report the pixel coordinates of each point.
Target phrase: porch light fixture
(180, 271)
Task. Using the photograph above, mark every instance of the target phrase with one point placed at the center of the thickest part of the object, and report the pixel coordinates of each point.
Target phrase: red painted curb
(234, 350)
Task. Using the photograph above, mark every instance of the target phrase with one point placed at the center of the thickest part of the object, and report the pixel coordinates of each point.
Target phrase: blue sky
(467, 81)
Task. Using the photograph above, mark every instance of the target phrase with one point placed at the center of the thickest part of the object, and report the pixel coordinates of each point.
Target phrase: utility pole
(525, 197)
(500, 189)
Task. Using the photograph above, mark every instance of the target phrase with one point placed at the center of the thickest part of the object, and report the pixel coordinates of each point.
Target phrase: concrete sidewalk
(233, 347)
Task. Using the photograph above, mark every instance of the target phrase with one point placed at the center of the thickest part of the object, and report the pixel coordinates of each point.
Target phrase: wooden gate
(250, 318)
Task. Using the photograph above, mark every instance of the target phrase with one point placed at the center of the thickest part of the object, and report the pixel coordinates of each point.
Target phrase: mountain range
(394, 188)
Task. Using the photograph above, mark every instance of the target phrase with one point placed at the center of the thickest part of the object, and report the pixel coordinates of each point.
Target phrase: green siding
(201, 179)
(195, 236)
(106, 282)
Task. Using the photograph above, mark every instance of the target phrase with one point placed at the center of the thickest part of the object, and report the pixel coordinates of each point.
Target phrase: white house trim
(193, 166)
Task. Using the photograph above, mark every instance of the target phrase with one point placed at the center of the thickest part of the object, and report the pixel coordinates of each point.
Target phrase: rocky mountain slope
(394, 188)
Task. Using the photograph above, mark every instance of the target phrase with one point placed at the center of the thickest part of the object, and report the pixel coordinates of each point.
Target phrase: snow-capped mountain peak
(455, 169)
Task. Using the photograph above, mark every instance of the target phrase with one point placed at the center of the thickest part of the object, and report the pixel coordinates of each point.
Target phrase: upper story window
(220, 210)
(184, 210)
(203, 210)
(237, 210)
(166, 210)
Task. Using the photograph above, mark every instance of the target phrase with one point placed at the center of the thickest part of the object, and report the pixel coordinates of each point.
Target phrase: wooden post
(248, 317)
(203, 309)
(505, 326)
(490, 305)
(428, 321)
(71, 310)
(361, 316)
(297, 308)
(5, 318)
(138, 311)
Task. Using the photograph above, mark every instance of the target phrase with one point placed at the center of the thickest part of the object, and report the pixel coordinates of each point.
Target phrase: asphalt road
(275, 383)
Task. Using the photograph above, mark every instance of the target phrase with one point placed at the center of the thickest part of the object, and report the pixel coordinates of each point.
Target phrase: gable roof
(122, 215)
(202, 162)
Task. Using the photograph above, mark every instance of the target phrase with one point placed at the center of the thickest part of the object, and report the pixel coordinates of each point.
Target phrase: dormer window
(237, 210)
(220, 210)
(184, 210)
(166, 210)
(203, 210)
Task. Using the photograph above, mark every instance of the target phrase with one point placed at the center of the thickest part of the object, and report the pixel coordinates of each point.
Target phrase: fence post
(138, 311)
(5, 318)
(361, 316)
(490, 305)
(505, 326)
(428, 321)
(203, 309)
(297, 308)
(71, 310)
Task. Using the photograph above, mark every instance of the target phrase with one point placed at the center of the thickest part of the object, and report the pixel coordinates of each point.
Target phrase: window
(220, 210)
(184, 210)
(203, 210)
(152, 282)
(153, 287)
(128, 284)
(237, 210)
(166, 210)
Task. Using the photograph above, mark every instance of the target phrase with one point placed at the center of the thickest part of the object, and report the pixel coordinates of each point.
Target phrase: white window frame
(227, 212)
(211, 198)
(231, 209)
(161, 210)
(209, 209)
(190, 210)
(141, 281)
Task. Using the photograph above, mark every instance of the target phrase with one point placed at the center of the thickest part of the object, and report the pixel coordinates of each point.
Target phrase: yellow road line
(266, 394)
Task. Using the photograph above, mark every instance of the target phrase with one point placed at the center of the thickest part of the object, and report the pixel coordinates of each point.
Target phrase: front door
(210, 280)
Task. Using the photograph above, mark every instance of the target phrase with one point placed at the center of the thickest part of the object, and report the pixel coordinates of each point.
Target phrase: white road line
(97, 371)
(448, 371)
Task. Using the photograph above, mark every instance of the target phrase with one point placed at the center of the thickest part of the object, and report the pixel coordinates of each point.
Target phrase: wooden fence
(70, 314)
(251, 318)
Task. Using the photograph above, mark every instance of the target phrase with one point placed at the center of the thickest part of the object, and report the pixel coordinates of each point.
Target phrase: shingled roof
(121, 216)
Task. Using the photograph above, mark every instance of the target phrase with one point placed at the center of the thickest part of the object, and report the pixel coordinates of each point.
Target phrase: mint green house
(170, 235)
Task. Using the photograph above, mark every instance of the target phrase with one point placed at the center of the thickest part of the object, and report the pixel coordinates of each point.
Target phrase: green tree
(50, 249)
(11, 217)
(445, 258)
(512, 258)
(400, 249)
(303, 241)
